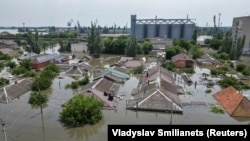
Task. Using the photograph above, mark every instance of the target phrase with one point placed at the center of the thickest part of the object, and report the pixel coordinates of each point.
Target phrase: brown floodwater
(26, 123)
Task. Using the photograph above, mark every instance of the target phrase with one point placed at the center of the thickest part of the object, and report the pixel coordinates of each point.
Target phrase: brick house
(42, 61)
(182, 61)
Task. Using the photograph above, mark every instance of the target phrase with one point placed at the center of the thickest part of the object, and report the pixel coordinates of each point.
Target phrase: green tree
(41, 83)
(81, 110)
(11, 64)
(25, 63)
(147, 46)
(169, 65)
(229, 81)
(182, 43)
(19, 70)
(33, 42)
(239, 47)
(132, 48)
(94, 41)
(172, 51)
(37, 99)
(195, 35)
(196, 51)
(4, 81)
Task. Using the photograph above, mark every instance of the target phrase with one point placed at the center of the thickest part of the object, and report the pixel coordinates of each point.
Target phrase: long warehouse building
(162, 28)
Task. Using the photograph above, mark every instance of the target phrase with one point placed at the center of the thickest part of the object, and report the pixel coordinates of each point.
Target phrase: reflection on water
(85, 132)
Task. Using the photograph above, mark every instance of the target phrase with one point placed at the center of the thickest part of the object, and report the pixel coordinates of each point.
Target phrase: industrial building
(241, 27)
(162, 28)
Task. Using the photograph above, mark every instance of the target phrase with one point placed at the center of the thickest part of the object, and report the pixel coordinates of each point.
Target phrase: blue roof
(115, 72)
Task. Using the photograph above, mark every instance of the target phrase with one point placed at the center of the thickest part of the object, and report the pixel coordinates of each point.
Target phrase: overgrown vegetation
(4, 81)
(37, 99)
(230, 81)
(81, 110)
(46, 77)
(208, 91)
(216, 109)
(76, 84)
(243, 68)
(169, 65)
(219, 70)
(138, 70)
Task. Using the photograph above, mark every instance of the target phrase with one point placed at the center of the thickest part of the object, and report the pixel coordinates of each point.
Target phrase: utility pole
(41, 105)
(3, 125)
(171, 118)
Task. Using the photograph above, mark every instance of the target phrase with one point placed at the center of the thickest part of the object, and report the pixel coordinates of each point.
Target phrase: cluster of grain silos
(163, 28)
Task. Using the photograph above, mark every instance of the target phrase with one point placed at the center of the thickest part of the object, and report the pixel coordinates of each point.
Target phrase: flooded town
(70, 83)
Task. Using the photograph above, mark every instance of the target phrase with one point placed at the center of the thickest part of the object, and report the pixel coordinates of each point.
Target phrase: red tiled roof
(229, 98)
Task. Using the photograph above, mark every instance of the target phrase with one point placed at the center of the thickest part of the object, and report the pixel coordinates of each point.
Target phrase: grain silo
(132, 25)
(151, 30)
(140, 31)
(176, 31)
(163, 30)
(188, 30)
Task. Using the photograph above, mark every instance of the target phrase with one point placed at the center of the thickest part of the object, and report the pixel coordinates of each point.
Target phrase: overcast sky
(110, 12)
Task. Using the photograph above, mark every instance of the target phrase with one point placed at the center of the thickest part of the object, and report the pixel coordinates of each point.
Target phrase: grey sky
(108, 12)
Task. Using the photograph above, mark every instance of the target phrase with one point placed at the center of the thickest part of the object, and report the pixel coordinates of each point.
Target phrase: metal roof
(47, 57)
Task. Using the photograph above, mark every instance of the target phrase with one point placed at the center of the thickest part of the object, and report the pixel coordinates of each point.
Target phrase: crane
(216, 27)
(78, 26)
(219, 23)
(69, 23)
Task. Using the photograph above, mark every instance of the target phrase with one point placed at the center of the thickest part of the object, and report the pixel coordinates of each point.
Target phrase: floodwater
(26, 123)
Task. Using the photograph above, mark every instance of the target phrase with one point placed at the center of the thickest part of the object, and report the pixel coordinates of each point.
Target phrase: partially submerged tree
(81, 110)
(94, 41)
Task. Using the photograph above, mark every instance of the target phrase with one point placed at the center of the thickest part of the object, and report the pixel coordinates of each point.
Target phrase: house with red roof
(234, 103)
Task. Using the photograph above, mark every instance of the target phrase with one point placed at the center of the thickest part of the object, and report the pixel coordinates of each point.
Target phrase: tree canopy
(94, 41)
(81, 110)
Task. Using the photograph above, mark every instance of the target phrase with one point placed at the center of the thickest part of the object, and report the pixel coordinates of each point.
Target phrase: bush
(208, 91)
(138, 70)
(81, 110)
(29, 74)
(84, 81)
(169, 65)
(217, 109)
(4, 81)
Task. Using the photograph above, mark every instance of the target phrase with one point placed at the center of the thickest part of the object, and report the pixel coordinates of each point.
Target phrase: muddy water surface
(26, 123)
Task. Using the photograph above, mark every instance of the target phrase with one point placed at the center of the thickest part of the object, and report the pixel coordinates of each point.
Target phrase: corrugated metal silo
(151, 30)
(188, 31)
(164, 30)
(140, 31)
(176, 29)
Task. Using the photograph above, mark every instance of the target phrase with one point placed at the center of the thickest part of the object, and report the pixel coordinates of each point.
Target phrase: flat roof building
(241, 27)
